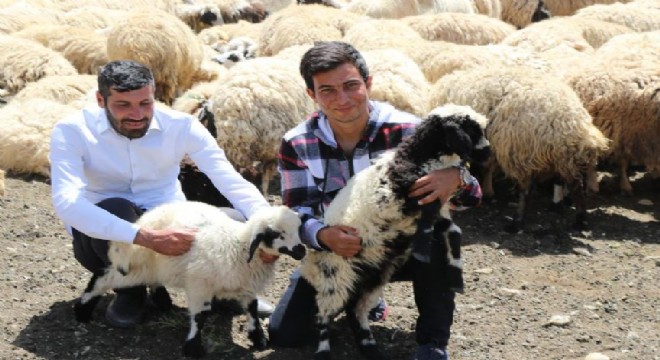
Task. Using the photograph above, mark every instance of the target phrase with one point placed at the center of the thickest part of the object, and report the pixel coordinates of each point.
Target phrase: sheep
(637, 17)
(199, 16)
(85, 49)
(21, 14)
(569, 7)
(233, 11)
(253, 107)
(537, 127)
(630, 50)
(65, 89)
(375, 202)
(297, 25)
(24, 61)
(490, 8)
(459, 28)
(215, 265)
(521, 13)
(397, 9)
(168, 6)
(24, 139)
(398, 80)
(625, 106)
(165, 44)
(93, 17)
(384, 33)
(221, 34)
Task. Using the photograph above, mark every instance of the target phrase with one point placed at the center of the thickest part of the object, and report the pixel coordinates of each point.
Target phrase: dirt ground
(546, 293)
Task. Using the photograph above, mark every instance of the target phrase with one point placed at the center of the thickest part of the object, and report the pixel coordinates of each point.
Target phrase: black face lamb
(375, 202)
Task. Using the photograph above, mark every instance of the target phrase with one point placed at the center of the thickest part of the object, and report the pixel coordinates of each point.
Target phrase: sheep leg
(624, 182)
(358, 318)
(255, 331)
(161, 298)
(487, 183)
(323, 350)
(580, 205)
(85, 305)
(198, 307)
(592, 180)
(516, 224)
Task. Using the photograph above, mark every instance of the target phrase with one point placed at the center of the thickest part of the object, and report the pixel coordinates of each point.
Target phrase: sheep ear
(458, 140)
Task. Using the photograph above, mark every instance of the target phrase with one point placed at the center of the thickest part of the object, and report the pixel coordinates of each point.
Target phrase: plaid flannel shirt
(313, 168)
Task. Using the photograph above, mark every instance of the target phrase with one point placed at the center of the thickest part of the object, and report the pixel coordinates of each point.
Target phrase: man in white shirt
(112, 162)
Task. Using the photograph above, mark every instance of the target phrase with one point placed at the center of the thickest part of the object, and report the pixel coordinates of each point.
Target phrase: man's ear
(368, 82)
(99, 99)
(311, 94)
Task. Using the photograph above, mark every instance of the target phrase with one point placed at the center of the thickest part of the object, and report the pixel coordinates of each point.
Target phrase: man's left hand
(438, 184)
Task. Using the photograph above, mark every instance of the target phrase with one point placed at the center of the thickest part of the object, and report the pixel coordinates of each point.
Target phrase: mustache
(133, 120)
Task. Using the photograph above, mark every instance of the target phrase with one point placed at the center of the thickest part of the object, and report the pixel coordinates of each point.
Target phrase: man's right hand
(342, 240)
(170, 242)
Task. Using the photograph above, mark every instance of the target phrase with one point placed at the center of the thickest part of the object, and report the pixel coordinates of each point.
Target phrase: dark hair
(123, 75)
(329, 55)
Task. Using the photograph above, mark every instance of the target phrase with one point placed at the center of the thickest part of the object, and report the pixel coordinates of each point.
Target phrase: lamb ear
(458, 140)
(254, 245)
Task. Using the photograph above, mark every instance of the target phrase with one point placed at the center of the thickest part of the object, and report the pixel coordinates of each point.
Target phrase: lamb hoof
(260, 344)
(322, 355)
(83, 312)
(193, 348)
(161, 299)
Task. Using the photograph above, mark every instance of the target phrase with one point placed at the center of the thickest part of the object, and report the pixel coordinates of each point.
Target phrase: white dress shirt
(91, 162)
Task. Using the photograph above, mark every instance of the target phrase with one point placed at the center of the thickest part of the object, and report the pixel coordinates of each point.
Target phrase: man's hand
(438, 184)
(341, 240)
(170, 242)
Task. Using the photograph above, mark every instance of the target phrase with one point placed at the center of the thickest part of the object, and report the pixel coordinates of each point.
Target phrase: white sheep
(219, 264)
(258, 101)
(537, 126)
(303, 24)
(459, 28)
(93, 17)
(85, 49)
(65, 89)
(635, 16)
(21, 14)
(625, 106)
(23, 61)
(165, 44)
(375, 201)
(24, 139)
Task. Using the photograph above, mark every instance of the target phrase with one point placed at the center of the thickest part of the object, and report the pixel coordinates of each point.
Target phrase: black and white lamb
(218, 265)
(376, 203)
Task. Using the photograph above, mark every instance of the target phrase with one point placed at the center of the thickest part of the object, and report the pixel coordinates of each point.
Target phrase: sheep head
(275, 231)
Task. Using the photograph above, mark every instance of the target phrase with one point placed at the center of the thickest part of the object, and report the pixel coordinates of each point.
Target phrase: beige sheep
(258, 101)
(635, 16)
(630, 50)
(583, 35)
(491, 8)
(459, 28)
(625, 106)
(397, 80)
(165, 44)
(222, 34)
(23, 61)
(93, 17)
(65, 89)
(302, 24)
(168, 6)
(537, 126)
(521, 13)
(569, 7)
(375, 34)
(21, 14)
(85, 49)
(25, 135)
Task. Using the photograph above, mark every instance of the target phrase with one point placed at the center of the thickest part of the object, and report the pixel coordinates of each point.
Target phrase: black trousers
(292, 322)
(92, 253)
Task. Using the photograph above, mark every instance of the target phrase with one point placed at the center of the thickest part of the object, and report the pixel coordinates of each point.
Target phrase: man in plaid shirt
(319, 156)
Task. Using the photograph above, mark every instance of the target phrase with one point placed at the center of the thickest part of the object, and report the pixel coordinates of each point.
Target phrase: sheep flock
(570, 88)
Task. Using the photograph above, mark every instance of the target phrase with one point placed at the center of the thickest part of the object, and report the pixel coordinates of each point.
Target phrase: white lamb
(375, 201)
(220, 264)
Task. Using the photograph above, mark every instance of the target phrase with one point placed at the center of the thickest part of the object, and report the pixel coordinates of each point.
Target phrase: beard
(123, 128)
